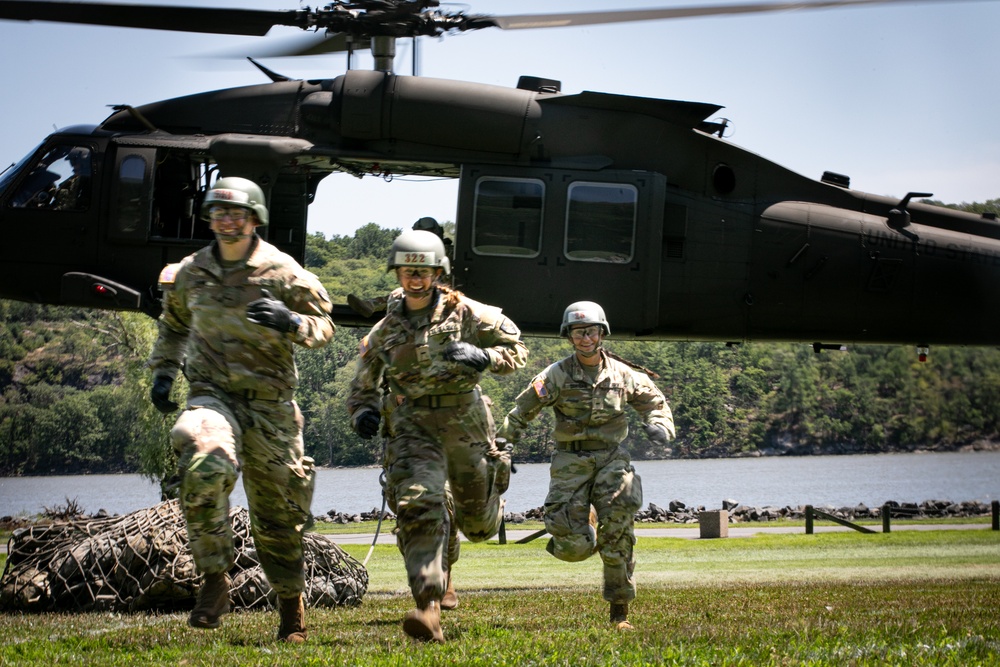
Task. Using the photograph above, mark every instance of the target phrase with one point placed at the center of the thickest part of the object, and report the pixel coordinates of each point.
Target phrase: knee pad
(205, 428)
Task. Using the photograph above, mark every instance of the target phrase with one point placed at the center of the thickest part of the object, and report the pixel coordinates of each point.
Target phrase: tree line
(74, 388)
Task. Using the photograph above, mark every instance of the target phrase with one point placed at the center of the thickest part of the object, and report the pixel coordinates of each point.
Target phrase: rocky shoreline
(789, 447)
(677, 512)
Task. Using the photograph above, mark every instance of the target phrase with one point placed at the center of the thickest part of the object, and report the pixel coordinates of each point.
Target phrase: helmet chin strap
(419, 294)
(232, 238)
(244, 232)
(589, 353)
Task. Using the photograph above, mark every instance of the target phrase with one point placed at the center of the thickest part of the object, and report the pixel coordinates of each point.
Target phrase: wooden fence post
(886, 517)
(809, 519)
(996, 514)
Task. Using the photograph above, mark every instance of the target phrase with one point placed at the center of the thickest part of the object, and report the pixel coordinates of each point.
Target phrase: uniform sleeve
(365, 393)
(539, 394)
(501, 339)
(649, 401)
(307, 297)
(173, 325)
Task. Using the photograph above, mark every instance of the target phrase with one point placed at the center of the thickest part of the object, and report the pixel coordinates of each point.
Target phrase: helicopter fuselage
(632, 202)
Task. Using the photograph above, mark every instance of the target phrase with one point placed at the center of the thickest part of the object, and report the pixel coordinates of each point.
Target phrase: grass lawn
(904, 598)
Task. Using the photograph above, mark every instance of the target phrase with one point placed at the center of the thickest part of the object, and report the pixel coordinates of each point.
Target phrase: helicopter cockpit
(60, 180)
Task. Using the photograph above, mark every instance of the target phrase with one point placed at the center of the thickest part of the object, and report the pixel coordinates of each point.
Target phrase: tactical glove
(367, 424)
(270, 312)
(160, 394)
(468, 354)
(503, 445)
(657, 434)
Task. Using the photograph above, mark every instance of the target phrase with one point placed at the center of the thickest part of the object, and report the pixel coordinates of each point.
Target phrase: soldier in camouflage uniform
(389, 403)
(588, 392)
(74, 193)
(432, 346)
(232, 314)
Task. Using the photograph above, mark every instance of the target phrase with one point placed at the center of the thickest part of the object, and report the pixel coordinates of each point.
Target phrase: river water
(779, 481)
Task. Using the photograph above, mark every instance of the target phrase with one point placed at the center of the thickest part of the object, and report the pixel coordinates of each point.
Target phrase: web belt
(446, 400)
(583, 446)
(274, 395)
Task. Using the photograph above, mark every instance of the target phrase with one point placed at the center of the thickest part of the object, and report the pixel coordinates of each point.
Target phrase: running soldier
(432, 346)
(588, 392)
(232, 314)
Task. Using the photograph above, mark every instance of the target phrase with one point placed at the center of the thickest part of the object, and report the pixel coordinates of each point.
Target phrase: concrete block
(714, 523)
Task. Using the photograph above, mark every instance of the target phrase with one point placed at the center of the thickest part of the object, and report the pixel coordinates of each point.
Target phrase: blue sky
(900, 97)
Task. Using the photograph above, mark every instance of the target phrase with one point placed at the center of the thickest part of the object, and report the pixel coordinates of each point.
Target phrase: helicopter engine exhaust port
(723, 179)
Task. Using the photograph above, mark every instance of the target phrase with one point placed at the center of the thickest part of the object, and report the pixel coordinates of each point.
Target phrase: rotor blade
(525, 21)
(155, 17)
(310, 44)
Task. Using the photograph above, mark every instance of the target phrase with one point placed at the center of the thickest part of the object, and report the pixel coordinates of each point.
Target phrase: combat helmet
(79, 157)
(236, 191)
(416, 247)
(429, 225)
(584, 312)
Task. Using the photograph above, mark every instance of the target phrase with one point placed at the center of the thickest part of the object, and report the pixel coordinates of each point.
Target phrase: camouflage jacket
(412, 358)
(586, 410)
(204, 325)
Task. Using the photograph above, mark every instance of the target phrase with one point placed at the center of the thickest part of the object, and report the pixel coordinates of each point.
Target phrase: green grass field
(904, 598)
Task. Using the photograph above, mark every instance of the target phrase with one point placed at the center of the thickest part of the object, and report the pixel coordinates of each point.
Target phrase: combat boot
(450, 599)
(213, 601)
(619, 616)
(293, 620)
(424, 624)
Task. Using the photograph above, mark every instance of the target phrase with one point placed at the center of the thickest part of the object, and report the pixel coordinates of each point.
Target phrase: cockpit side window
(60, 181)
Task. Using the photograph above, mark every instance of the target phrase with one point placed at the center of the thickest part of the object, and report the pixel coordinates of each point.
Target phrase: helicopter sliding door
(535, 240)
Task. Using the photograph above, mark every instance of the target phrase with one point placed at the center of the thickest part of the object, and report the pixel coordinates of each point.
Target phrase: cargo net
(141, 561)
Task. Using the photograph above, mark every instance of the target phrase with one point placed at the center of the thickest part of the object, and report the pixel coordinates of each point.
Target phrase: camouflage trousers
(606, 480)
(216, 437)
(430, 451)
(454, 543)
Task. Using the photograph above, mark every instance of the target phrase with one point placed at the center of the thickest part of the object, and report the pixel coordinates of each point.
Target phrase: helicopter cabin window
(600, 222)
(508, 217)
(60, 181)
(131, 182)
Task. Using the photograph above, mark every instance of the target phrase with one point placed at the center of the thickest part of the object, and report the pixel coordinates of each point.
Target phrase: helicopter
(641, 202)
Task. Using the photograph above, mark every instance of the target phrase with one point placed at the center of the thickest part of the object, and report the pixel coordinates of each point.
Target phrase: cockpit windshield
(60, 180)
(11, 172)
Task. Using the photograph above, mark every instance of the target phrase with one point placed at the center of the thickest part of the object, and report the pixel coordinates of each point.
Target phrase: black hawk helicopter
(679, 233)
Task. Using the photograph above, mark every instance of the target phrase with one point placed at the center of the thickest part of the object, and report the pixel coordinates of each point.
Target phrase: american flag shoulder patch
(169, 274)
(539, 387)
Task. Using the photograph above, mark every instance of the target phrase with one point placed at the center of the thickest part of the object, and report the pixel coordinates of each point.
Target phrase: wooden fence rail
(887, 512)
